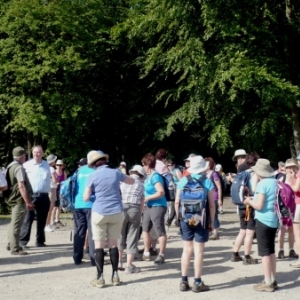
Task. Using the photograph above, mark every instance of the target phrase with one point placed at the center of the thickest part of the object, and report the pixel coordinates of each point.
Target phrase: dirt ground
(49, 273)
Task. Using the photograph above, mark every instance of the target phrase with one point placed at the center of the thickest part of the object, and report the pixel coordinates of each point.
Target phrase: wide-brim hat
(239, 152)
(197, 165)
(123, 163)
(263, 168)
(93, 156)
(51, 158)
(139, 169)
(218, 167)
(290, 163)
(60, 162)
(189, 158)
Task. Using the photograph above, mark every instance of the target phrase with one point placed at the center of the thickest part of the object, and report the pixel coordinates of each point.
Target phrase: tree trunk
(29, 146)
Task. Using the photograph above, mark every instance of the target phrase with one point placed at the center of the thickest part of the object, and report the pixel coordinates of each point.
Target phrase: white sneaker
(49, 228)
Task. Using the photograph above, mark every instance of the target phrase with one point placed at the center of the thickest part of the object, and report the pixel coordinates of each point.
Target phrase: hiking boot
(168, 223)
(280, 254)
(59, 223)
(153, 252)
(263, 287)
(100, 283)
(132, 269)
(115, 280)
(236, 258)
(146, 257)
(214, 237)
(86, 256)
(293, 254)
(19, 252)
(250, 261)
(197, 288)
(184, 286)
(159, 260)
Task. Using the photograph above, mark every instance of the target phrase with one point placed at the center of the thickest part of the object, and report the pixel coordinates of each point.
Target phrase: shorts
(155, 216)
(190, 233)
(297, 214)
(53, 195)
(250, 225)
(107, 227)
(265, 237)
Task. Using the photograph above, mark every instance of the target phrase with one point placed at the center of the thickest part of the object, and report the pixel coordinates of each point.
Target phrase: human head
(280, 166)
(239, 156)
(170, 165)
(19, 154)
(59, 164)
(161, 154)
(251, 159)
(37, 153)
(198, 165)
(263, 168)
(211, 163)
(51, 158)
(82, 162)
(291, 164)
(123, 164)
(218, 168)
(187, 160)
(148, 162)
(96, 158)
(138, 170)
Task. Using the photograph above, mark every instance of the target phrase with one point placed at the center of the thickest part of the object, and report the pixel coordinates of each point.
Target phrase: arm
(54, 179)
(178, 174)
(87, 194)
(218, 184)
(159, 192)
(258, 204)
(129, 180)
(24, 194)
(212, 208)
(177, 202)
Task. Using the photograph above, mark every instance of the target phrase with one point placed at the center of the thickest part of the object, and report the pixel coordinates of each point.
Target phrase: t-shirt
(2, 180)
(215, 177)
(82, 177)
(266, 215)
(105, 183)
(207, 183)
(160, 167)
(53, 185)
(149, 186)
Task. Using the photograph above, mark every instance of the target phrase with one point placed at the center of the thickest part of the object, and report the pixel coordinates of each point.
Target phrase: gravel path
(49, 273)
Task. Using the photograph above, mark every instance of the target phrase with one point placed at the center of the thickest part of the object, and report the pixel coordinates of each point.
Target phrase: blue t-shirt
(82, 177)
(267, 215)
(149, 186)
(105, 183)
(207, 183)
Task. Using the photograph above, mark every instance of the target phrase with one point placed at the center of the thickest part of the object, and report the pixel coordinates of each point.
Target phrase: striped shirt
(132, 194)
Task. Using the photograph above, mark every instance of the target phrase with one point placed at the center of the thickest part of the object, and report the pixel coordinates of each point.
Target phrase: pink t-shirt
(297, 194)
(160, 167)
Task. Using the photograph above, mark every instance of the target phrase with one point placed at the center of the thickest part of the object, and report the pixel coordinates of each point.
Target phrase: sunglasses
(59, 165)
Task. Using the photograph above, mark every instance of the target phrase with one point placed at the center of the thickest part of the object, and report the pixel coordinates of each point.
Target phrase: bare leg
(48, 222)
(198, 260)
(239, 240)
(248, 241)
(147, 241)
(186, 257)
(162, 244)
(291, 237)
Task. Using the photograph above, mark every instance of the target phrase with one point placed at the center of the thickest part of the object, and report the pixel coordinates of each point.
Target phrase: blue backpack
(67, 192)
(193, 202)
(240, 187)
(169, 186)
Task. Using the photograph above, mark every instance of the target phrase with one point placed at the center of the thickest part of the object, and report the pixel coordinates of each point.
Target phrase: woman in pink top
(294, 179)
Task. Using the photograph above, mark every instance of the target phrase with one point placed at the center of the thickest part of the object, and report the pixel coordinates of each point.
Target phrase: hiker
(266, 223)
(195, 237)
(107, 212)
(122, 167)
(156, 208)
(240, 158)
(187, 164)
(133, 203)
(223, 180)
(18, 200)
(247, 221)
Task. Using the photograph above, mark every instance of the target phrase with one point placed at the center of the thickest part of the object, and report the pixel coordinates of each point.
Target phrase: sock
(114, 258)
(161, 254)
(197, 281)
(273, 279)
(146, 253)
(184, 278)
(99, 260)
(268, 281)
(247, 256)
(236, 253)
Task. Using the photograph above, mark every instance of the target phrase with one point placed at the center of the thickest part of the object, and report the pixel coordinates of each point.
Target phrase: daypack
(285, 204)
(240, 187)
(67, 192)
(193, 200)
(169, 186)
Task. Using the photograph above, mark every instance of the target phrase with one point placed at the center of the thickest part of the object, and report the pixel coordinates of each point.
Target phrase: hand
(247, 200)
(210, 227)
(30, 206)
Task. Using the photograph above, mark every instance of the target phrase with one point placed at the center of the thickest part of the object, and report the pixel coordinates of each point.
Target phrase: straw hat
(197, 165)
(51, 158)
(93, 156)
(239, 152)
(263, 168)
(291, 163)
(59, 162)
(138, 169)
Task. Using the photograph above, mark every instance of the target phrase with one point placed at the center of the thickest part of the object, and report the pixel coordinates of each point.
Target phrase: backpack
(240, 187)
(193, 202)
(169, 186)
(285, 204)
(67, 192)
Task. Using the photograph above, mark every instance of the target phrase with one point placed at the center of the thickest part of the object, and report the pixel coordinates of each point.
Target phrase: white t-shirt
(3, 181)
(53, 185)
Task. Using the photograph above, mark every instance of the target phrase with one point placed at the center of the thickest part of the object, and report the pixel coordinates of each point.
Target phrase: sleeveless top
(60, 178)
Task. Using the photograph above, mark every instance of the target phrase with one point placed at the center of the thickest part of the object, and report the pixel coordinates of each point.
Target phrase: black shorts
(246, 224)
(265, 237)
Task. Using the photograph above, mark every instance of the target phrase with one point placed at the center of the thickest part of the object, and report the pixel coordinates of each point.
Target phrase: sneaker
(100, 283)
(160, 259)
(19, 252)
(86, 256)
(132, 269)
(59, 223)
(115, 280)
(197, 288)
(214, 237)
(250, 261)
(168, 223)
(280, 254)
(221, 212)
(184, 286)
(236, 258)
(293, 254)
(263, 287)
(49, 228)
(146, 257)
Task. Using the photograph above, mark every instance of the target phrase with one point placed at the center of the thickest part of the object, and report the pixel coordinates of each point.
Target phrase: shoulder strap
(9, 176)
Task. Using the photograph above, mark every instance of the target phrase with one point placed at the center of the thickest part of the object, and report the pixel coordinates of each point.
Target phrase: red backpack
(285, 204)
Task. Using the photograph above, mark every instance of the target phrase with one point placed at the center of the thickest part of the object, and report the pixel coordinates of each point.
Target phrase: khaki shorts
(53, 195)
(297, 214)
(107, 227)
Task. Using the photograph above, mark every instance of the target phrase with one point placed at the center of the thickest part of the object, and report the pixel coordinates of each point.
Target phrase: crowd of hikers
(114, 208)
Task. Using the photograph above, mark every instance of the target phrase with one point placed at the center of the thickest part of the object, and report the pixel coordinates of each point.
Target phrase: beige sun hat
(51, 158)
(239, 152)
(139, 169)
(291, 162)
(94, 155)
(197, 165)
(59, 162)
(263, 168)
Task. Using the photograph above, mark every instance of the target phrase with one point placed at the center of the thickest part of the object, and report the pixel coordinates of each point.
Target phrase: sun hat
(94, 155)
(18, 151)
(51, 158)
(189, 158)
(197, 164)
(123, 163)
(138, 169)
(239, 152)
(263, 168)
(59, 162)
(218, 167)
(291, 162)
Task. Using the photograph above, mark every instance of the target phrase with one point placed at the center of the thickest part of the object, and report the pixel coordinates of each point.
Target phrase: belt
(39, 194)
